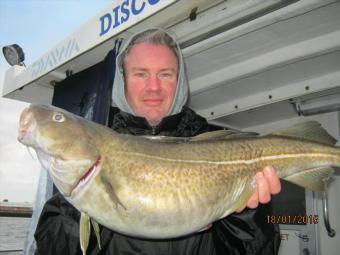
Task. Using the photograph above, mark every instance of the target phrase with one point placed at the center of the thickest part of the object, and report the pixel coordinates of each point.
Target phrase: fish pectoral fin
(314, 179)
(96, 228)
(84, 231)
(111, 192)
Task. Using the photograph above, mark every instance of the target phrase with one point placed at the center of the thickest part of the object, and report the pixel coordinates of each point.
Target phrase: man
(151, 91)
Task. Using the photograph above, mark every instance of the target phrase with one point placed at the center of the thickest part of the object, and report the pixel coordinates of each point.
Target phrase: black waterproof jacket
(238, 234)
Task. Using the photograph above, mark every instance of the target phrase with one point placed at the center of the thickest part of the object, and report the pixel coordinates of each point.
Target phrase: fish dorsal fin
(207, 136)
(314, 179)
(213, 135)
(224, 134)
(167, 139)
(310, 130)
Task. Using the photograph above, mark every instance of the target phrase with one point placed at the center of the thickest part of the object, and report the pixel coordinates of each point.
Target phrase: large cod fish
(167, 187)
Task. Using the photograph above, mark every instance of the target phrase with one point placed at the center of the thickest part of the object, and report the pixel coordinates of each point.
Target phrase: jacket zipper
(153, 131)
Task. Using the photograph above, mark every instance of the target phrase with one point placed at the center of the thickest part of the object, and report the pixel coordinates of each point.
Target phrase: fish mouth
(27, 125)
(86, 177)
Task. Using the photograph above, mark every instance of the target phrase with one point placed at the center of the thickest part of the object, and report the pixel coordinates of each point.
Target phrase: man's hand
(267, 184)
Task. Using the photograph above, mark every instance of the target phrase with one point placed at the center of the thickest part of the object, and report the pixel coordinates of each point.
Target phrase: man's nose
(153, 83)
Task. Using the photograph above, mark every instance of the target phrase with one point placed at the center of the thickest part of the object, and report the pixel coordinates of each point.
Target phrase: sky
(37, 26)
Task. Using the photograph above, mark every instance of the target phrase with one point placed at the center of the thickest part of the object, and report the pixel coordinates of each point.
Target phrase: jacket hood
(118, 92)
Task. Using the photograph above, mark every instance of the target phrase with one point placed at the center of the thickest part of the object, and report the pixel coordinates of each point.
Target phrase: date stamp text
(293, 219)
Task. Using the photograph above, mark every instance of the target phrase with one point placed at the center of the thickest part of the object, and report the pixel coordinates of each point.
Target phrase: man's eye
(166, 75)
(140, 75)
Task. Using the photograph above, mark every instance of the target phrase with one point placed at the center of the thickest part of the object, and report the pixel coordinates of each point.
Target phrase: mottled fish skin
(154, 189)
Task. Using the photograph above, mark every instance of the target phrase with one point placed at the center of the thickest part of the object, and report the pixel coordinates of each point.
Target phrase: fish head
(64, 143)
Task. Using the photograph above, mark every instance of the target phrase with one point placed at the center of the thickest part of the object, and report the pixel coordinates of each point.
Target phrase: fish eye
(58, 117)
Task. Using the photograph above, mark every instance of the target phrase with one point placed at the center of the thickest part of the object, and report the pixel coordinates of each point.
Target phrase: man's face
(150, 80)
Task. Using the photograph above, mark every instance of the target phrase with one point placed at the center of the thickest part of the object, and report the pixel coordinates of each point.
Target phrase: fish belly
(163, 200)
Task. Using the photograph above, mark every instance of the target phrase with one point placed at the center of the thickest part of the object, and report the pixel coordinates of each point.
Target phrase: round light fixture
(14, 54)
